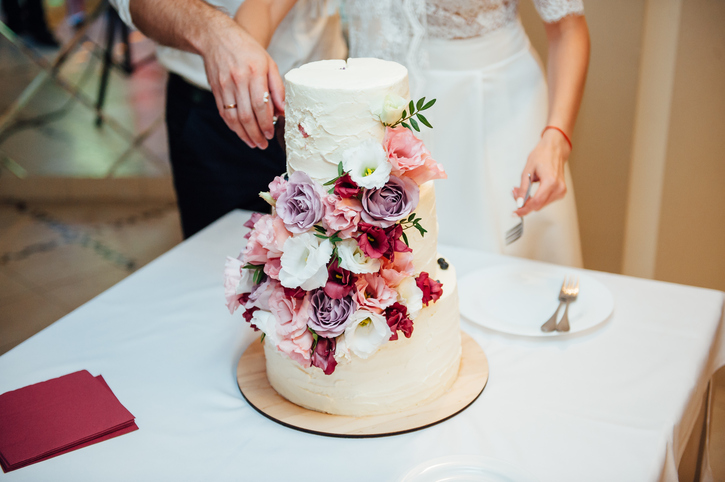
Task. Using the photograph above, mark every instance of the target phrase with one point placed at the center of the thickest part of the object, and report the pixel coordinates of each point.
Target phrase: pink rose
(250, 223)
(271, 235)
(232, 277)
(277, 187)
(398, 269)
(373, 293)
(254, 252)
(272, 268)
(298, 348)
(342, 215)
(405, 151)
(291, 313)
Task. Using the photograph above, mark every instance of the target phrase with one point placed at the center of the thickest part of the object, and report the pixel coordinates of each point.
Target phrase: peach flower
(396, 271)
(342, 215)
(291, 313)
(373, 294)
(298, 348)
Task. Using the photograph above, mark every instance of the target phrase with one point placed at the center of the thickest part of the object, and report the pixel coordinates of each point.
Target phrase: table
(618, 404)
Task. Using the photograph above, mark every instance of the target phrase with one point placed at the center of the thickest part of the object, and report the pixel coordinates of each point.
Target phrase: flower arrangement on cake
(330, 273)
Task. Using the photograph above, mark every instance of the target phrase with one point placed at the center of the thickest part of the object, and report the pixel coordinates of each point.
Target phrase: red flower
(432, 289)
(397, 318)
(395, 244)
(324, 355)
(339, 281)
(345, 187)
(298, 293)
(372, 241)
(248, 316)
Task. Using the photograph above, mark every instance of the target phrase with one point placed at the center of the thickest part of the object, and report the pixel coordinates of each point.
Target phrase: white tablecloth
(618, 404)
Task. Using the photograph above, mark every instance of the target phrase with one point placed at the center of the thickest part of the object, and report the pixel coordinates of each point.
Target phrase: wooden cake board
(472, 378)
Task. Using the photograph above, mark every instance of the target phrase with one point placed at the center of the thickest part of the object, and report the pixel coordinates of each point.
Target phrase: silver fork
(570, 294)
(550, 324)
(517, 231)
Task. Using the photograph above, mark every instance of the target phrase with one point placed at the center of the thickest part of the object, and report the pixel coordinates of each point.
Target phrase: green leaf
(403, 115)
(331, 190)
(250, 266)
(321, 236)
(320, 229)
(414, 124)
(420, 230)
(340, 171)
(422, 118)
(411, 217)
(420, 103)
(331, 181)
(258, 276)
(405, 125)
(411, 107)
(261, 339)
(405, 239)
(429, 105)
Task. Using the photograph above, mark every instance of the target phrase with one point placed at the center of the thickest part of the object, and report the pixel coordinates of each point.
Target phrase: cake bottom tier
(401, 375)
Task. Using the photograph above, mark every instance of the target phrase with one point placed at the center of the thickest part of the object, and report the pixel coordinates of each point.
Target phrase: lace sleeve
(554, 10)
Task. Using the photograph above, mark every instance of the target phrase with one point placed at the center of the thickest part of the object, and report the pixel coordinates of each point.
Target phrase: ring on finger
(230, 106)
(265, 97)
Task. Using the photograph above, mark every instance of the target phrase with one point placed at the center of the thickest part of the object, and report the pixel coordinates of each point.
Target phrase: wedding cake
(358, 313)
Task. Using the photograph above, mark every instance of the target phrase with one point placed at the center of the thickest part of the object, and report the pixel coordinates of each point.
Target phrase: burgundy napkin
(51, 418)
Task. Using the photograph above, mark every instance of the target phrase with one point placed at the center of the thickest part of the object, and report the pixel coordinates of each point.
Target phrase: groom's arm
(239, 70)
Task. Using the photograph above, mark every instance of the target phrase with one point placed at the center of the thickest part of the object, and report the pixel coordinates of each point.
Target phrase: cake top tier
(350, 75)
(333, 105)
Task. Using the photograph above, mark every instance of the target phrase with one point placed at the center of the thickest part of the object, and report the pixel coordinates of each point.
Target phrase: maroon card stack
(56, 416)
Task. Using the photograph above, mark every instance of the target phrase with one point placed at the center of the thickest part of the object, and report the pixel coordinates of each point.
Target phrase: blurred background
(86, 196)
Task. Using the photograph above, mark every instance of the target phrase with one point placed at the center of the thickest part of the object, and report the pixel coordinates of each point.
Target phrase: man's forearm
(182, 24)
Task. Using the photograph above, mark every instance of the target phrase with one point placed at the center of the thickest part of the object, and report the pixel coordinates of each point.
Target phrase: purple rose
(324, 355)
(328, 317)
(300, 206)
(385, 206)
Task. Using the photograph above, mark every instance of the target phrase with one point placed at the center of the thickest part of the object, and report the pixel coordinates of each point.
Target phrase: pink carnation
(372, 292)
(409, 156)
(291, 313)
(298, 348)
(232, 276)
(272, 268)
(250, 223)
(397, 270)
(271, 234)
(342, 215)
(277, 187)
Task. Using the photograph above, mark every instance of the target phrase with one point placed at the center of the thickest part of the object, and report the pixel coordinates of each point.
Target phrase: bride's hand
(240, 71)
(546, 166)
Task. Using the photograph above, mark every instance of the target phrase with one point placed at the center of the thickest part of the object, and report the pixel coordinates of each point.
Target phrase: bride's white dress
(475, 58)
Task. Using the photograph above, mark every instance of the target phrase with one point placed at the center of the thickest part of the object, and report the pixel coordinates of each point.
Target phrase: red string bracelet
(562, 133)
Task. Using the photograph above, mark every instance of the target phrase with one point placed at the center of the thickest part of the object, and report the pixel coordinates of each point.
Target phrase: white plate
(518, 298)
(467, 468)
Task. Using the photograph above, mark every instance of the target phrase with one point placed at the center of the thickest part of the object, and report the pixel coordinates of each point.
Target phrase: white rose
(267, 323)
(304, 261)
(366, 333)
(354, 260)
(246, 282)
(411, 296)
(367, 164)
(393, 107)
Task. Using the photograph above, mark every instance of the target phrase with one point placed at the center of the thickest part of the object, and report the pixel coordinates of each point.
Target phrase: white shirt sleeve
(122, 7)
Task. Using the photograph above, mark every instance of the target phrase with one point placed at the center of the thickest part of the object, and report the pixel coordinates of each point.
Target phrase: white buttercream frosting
(402, 374)
(333, 105)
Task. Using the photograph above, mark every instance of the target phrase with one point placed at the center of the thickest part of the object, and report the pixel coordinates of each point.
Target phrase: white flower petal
(366, 333)
(411, 296)
(367, 164)
(303, 256)
(354, 260)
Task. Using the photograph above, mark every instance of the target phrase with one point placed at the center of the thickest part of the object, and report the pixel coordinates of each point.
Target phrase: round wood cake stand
(472, 378)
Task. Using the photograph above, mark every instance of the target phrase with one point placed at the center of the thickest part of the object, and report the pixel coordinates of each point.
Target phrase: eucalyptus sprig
(258, 272)
(413, 112)
(331, 182)
(412, 222)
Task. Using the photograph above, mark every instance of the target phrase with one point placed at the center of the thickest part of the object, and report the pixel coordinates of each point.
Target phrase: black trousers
(214, 170)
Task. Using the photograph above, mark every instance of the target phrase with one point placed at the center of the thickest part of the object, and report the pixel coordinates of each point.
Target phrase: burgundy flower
(394, 233)
(385, 206)
(247, 315)
(324, 355)
(298, 293)
(345, 187)
(339, 281)
(398, 320)
(432, 289)
(329, 317)
(372, 241)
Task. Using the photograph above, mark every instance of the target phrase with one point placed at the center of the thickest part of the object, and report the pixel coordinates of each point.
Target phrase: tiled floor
(54, 257)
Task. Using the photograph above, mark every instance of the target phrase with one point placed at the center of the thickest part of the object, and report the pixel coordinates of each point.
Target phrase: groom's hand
(243, 75)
